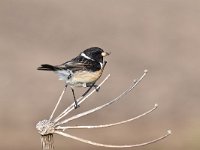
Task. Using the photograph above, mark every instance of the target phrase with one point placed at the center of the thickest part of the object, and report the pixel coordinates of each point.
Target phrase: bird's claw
(97, 88)
(76, 106)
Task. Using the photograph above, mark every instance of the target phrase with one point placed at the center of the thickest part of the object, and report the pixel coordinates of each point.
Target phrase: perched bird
(81, 71)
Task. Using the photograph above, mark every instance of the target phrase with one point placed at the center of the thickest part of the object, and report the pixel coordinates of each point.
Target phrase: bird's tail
(47, 67)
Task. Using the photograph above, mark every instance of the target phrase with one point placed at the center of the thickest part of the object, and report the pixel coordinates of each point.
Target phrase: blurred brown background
(159, 35)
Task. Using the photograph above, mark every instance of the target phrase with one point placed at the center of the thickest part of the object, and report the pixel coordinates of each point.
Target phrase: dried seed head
(45, 127)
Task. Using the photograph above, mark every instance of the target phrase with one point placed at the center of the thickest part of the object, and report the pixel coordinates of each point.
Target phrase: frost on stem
(47, 128)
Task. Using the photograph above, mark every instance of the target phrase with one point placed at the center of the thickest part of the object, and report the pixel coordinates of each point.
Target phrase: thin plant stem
(60, 98)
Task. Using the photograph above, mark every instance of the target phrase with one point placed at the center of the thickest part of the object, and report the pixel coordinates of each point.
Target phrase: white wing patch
(87, 57)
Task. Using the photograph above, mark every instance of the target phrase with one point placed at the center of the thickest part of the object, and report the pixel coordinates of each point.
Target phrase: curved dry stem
(108, 125)
(79, 100)
(112, 146)
(47, 127)
(106, 104)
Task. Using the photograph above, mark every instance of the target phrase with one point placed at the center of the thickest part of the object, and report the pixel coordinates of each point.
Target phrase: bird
(81, 71)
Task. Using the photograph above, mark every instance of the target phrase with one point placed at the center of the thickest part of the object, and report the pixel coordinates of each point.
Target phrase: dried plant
(47, 128)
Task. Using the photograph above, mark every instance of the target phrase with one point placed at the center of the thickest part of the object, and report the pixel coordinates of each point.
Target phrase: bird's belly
(84, 77)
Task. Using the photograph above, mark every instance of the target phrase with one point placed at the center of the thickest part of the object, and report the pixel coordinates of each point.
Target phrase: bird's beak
(105, 54)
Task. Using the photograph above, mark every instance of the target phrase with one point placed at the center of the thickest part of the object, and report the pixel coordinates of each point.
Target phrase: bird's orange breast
(86, 76)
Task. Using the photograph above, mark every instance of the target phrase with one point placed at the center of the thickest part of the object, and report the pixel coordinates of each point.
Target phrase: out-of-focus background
(162, 36)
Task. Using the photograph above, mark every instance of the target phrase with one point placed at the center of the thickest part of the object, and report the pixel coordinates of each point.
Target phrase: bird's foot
(76, 106)
(97, 88)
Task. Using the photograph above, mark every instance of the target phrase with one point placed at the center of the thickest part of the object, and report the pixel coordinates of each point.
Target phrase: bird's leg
(90, 87)
(76, 103)
(95, 86)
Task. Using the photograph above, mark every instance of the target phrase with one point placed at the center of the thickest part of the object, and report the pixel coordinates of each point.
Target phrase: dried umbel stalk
(47, 128)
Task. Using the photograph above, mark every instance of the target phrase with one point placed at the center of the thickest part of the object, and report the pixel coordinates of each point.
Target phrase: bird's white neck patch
(85, 56)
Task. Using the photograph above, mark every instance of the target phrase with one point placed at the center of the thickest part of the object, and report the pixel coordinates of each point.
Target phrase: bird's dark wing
(81, 63)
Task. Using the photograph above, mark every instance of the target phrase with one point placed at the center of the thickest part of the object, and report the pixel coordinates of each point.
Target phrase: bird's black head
(94, 53)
